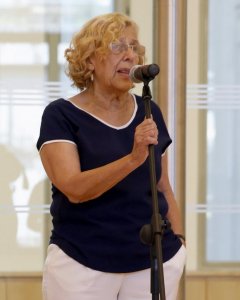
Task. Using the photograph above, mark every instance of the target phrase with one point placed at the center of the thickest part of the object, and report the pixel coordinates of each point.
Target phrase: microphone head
(132, 74)
(143, 73)
(152, 70)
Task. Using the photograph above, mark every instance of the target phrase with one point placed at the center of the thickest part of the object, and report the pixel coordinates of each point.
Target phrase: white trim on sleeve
(56, 141)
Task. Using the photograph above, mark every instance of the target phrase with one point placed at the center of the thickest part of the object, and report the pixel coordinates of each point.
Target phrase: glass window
(33, 36)
(213, 141)
(223, 141)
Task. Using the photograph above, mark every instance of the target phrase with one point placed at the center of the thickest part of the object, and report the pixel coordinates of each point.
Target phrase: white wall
(141, 11)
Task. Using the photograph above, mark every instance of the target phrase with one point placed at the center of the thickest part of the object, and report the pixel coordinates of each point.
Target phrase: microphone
(146, 73)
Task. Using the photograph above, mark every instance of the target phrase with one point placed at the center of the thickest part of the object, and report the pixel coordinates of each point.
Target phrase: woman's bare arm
(164, 186)
(62, 165)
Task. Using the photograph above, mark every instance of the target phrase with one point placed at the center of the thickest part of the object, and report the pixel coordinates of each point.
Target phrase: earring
(92, 77)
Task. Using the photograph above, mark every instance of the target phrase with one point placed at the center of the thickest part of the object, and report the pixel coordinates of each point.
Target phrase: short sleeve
(164, 137)
(55, 125)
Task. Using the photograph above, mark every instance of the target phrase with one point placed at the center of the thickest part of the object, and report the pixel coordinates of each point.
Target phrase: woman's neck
(114, 109)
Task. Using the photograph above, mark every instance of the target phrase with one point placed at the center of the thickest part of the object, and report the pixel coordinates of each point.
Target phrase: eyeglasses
(119, 47)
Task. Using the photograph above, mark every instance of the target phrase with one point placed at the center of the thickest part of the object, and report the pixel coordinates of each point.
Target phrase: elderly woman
(94, 148)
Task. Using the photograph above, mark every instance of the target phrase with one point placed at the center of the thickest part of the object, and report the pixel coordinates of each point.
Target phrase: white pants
(66, 279)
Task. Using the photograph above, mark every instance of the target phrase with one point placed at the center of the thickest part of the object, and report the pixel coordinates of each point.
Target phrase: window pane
(32, 35)
(213, 141)
(223, 121)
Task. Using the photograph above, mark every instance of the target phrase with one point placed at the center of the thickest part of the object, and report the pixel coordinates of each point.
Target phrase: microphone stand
(151, 234)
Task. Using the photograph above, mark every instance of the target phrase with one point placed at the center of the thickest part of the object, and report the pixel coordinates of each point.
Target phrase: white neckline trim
(110, 125)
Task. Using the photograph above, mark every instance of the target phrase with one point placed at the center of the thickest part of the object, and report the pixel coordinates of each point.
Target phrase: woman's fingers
(146, 134)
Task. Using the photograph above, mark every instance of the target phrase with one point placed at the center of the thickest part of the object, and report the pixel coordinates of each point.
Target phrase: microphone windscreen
(132, 74)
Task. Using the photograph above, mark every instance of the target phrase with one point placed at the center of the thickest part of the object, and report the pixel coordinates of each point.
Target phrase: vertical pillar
(170, 87)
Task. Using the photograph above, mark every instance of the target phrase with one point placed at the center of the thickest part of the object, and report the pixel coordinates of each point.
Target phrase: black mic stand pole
(151, 234)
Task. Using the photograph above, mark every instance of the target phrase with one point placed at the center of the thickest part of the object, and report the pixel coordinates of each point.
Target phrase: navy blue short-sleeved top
(103, 234)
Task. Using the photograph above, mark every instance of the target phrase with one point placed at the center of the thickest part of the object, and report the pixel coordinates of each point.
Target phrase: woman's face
(111, 74)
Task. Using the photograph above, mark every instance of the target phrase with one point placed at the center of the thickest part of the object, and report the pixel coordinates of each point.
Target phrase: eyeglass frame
(126, 46)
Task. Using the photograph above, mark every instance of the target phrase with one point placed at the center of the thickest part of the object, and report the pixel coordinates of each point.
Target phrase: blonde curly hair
(94, 38)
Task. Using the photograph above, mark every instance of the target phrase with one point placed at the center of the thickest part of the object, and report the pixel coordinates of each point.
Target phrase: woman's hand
(146, 134)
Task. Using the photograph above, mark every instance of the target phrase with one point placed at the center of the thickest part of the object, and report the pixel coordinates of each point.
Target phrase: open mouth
(124, 71)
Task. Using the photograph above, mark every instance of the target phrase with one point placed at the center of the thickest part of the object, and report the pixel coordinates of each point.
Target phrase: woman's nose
(130, 53)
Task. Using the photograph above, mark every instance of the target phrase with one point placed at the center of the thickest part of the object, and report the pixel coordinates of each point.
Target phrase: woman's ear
(90, 64)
